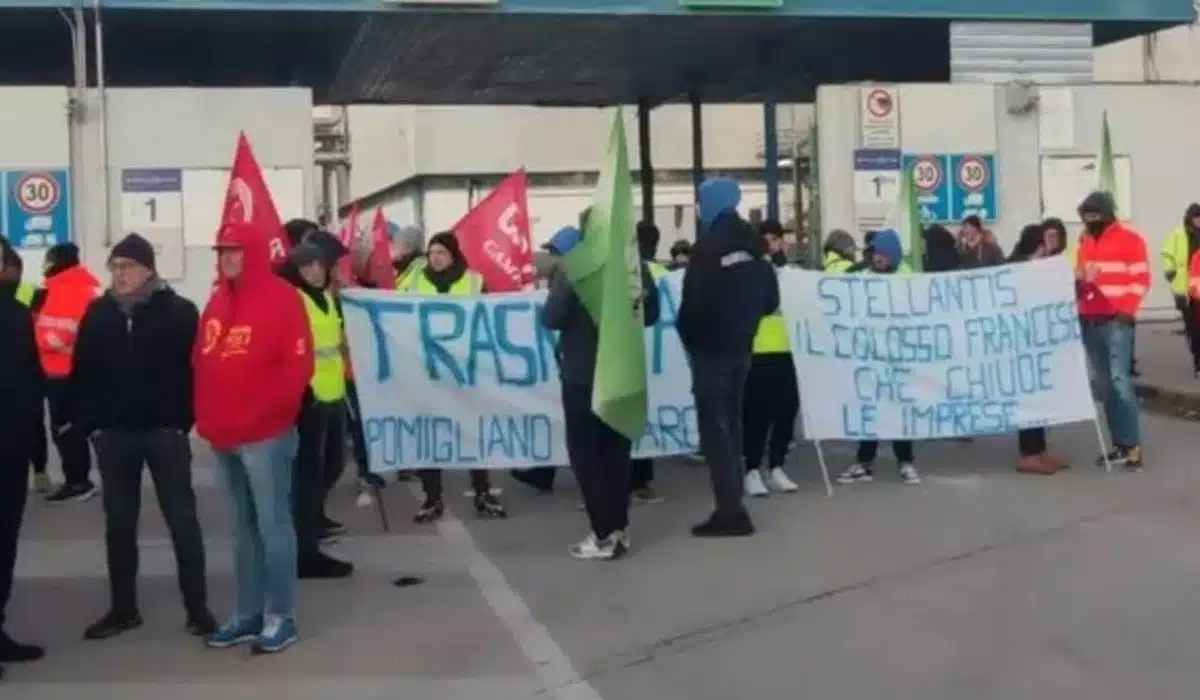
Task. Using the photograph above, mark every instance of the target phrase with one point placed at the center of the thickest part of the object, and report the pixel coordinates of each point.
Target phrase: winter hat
(307, 253)
(840, 241)
(887, 244)
(63, 255)
(331, 248)
(564, 240)
(716, 196)
(411, 236)
(447, 240)
(134, 247)
(1098, 203)
(299, 229)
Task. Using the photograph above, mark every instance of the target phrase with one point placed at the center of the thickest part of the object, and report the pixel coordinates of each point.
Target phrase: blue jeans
(1109, 346)
(259, 479)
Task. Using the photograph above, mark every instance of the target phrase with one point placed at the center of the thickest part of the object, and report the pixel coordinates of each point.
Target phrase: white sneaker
(909, 474)
(591, 547)
(857, 473)
(779, 481)
(755, 486)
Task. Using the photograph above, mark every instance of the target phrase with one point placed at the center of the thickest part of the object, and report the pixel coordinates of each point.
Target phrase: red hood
(256, 263)
(75, 276)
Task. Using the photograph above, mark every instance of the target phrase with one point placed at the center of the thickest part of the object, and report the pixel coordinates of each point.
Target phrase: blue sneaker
(239, 630)
(279, 634)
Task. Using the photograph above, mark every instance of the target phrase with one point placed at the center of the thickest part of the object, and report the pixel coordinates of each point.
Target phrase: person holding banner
(887, 258)
(253, 362)
(841, 252)
(445, 271)
(642, 482)
(728, 288)
(772, 401)
(320, 426)
(1035, 242)
(1112, 274)
(408, 255)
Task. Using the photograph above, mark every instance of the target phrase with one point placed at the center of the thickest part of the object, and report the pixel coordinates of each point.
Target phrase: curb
(1170, 402)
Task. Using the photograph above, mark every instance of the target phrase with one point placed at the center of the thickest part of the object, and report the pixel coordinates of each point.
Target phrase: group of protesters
(130, 368)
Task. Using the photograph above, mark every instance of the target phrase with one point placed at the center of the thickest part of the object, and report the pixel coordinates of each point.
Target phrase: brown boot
(1035, 464)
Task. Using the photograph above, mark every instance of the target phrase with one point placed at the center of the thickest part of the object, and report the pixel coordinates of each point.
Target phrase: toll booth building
(121, 115)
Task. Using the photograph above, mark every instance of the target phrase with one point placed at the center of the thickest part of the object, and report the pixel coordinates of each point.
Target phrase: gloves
(565, 239)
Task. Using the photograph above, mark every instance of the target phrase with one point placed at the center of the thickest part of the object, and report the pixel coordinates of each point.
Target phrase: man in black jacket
(132, 383)
(599, 455)
(22, 400)
(729, 287)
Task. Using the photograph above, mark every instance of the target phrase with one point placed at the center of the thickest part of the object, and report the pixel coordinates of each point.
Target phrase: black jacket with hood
(941, 249)
(728, 288)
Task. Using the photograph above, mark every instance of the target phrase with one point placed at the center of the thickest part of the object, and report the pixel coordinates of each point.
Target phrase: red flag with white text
(494, 237)
(248, 201)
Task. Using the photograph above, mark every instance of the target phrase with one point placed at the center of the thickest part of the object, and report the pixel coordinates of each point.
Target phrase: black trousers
(321, 436)
(868, 449)
(719, 386)
(168, 454)
(431, 482)
(600, 457)
(40, 455)
(541, 477)
(770, 409)
(14, 489)
(354, 422)
(642, 473)
(72, 444)
(1031, 441)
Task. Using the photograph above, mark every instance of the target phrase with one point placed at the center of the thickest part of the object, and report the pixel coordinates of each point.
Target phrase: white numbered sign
(144, 210)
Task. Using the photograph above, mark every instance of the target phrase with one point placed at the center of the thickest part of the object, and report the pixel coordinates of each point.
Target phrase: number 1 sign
(152, 206)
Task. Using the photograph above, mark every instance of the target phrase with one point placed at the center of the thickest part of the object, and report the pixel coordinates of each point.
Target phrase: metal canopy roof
(496, 57)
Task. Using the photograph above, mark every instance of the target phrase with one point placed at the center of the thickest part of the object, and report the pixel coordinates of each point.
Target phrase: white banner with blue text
(940, 355)
(457, 382)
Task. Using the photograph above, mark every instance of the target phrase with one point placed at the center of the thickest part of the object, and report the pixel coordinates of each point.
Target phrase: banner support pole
(824, 468)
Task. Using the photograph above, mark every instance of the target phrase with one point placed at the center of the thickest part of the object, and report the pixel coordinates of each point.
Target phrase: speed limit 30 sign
(927, 173)
(36, 193)
(973, 173)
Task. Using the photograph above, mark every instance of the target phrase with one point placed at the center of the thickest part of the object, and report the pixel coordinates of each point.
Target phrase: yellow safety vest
(1175, 259)
(772, 336)
(405, 279)
(836, 264)
(657, 269)
(25, 293)
(470, 283)
(329, 372)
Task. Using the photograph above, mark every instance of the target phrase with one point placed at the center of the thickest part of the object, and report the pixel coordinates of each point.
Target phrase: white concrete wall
(551, 208)
(389, 144)
(1152, 125)
(189, 129)
(1174, 57)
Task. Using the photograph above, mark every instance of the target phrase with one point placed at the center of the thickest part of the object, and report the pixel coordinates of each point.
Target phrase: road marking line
(554, 668)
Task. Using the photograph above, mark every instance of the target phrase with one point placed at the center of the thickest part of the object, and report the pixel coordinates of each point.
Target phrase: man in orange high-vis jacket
(70, 288)
(1112, 277)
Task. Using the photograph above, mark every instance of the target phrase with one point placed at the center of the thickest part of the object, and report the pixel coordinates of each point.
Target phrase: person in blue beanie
(887, 258)
(729, 287)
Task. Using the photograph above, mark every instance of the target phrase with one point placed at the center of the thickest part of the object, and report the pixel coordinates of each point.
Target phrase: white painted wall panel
(1172, 55)
(190, 129)
(1152, 124)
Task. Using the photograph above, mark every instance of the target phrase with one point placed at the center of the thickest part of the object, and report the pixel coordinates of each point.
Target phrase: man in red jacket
(1112, 277)
(253, 361)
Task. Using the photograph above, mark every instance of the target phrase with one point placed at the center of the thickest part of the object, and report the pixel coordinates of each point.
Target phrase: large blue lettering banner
(472, 382)
(937, 355)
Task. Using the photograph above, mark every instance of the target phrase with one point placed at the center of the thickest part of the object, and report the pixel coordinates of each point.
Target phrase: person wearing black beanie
(133, 388)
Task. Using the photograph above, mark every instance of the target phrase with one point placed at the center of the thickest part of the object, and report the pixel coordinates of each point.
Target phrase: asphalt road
(981, 584)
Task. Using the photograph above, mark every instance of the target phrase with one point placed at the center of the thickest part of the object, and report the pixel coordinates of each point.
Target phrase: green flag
(905, 218)
(606, 272)
(1106, 175)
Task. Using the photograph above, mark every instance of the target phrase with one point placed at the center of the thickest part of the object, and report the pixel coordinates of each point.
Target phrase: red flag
(494, 237)
(248, 201)
(348, 235)
(379, 264)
